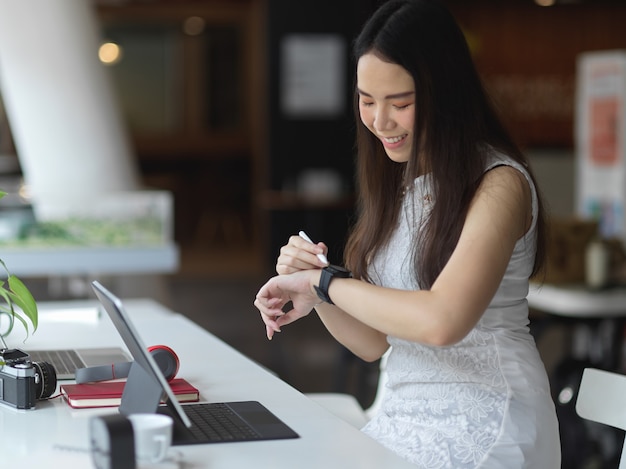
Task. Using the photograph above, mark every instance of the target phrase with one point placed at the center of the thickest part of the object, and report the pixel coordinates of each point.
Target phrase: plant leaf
(5, 267)
(9, 310)
(17, 294)
(23, 321)
(11, 318)
(22, 297)
(6, 294)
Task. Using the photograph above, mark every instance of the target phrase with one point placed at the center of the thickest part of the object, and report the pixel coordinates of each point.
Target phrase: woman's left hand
(280, 290)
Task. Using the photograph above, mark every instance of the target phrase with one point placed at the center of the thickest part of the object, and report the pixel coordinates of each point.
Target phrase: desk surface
(578, 301)
(53, 432)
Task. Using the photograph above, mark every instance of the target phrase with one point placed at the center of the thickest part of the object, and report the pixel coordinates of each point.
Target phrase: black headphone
(165, 358)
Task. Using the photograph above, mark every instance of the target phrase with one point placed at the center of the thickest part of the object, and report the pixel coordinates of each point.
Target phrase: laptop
(195, 423)
(67, 361)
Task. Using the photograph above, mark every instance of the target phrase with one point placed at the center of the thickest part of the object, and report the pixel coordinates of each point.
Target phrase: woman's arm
(499, 215)
(365, 314)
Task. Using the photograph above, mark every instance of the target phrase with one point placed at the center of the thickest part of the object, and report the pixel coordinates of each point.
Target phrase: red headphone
(167, 360)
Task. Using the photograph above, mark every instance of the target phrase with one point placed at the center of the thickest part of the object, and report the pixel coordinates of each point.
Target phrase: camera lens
(47, 382)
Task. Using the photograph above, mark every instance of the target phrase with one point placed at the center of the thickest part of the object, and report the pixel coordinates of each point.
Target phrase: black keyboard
(217, 422)
(211, 423)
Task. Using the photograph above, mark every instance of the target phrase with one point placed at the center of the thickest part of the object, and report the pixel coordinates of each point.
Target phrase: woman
(450, 230)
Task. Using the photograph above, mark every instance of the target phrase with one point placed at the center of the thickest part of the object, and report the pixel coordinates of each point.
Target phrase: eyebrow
(389, 96)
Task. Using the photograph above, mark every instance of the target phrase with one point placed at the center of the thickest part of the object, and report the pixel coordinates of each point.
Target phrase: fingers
(269, 316)
(299, 254)
(270, 330)
(273, 316)
(269, 302)
(270, 307)
(287, 318)
(274, 325)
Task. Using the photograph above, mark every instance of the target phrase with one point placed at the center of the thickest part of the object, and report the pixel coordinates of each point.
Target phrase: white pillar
(63, 113)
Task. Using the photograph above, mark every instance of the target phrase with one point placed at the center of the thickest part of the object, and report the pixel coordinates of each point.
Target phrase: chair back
(602, 397)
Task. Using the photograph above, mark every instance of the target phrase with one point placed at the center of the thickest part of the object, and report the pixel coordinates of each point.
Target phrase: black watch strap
(329, 273)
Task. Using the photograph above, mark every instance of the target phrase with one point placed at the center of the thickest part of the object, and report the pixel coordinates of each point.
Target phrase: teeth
(394, 139)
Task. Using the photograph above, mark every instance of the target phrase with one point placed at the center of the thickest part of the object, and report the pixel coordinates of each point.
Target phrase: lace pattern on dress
(454, 416)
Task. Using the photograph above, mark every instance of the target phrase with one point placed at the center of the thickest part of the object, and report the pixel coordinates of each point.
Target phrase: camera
(23, 381)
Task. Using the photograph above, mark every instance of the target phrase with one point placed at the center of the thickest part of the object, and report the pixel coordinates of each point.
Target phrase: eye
(400, 107)
(366, 103)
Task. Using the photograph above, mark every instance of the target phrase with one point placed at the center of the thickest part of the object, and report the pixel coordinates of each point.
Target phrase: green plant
(19, 302)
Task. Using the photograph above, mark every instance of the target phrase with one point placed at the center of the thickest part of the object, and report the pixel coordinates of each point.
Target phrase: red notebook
(109, 393)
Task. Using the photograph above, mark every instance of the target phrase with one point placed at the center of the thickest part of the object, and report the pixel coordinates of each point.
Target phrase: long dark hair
(454, 124)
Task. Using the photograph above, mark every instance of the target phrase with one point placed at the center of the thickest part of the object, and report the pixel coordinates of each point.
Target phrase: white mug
(153, 436)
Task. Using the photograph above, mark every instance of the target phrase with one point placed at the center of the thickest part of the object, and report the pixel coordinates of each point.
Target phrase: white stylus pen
(321, 257)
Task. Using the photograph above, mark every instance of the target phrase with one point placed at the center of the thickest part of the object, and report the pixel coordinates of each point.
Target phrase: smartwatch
(328, 273)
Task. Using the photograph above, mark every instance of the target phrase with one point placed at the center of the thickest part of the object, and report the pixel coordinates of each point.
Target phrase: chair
(346, 407)
(602, 399)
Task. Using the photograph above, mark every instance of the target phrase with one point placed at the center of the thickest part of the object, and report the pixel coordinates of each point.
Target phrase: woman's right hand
(298, 254)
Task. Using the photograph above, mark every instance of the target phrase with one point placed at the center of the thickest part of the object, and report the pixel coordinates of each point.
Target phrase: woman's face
(387, 104)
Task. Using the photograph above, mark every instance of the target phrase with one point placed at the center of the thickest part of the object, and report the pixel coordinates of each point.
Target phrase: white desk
(578, 301)
(599, 317)
(36, 438)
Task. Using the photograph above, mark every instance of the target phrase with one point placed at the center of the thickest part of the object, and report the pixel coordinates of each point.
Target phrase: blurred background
(231, 123)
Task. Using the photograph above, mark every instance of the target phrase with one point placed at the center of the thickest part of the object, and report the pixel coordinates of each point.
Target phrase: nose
(382, 120)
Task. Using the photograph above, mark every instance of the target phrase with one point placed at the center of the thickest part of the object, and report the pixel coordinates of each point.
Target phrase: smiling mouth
(394, 139)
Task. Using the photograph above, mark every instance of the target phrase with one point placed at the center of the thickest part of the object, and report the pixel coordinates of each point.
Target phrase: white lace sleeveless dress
(483, 402)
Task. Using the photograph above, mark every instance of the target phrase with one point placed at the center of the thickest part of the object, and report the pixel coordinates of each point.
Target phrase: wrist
(327, 275)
